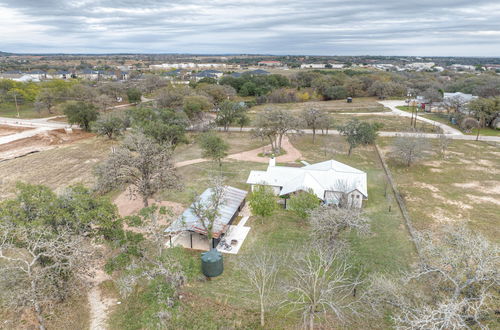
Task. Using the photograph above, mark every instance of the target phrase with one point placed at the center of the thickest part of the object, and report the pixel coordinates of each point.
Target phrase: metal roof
(188, 221)
(329, 175)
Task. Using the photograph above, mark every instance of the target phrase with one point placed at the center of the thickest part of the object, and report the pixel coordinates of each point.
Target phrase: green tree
(262, 201)
(165, 126)
(335, 93)
(229, 112)
(47, 98)
(303, 202)
(81, 113)
(243, 120)
(484, 110)
(359, 133)
(195, 105)
(110, 125)
(134, 95)
(219, 93)
(273, 124)
(213, 147)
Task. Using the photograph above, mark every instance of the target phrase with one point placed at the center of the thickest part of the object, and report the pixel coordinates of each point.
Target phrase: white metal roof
(465, 97)
(329, 175)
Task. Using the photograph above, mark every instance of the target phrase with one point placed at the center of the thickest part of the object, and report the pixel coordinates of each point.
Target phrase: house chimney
(272, 161)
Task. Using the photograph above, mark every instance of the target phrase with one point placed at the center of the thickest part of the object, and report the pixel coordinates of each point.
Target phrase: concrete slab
(238, 233)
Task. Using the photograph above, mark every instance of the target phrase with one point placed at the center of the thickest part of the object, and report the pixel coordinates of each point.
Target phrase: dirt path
(291, 155)
(99, 305)
(127, 206)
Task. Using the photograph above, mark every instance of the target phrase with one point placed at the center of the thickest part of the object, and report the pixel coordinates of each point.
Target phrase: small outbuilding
(188, 231)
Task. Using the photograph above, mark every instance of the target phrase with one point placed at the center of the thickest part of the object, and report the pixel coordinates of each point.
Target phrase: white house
(463, 97)
(313, 66)
(329, 181)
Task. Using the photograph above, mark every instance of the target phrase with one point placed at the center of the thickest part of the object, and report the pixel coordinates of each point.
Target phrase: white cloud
(386, 27)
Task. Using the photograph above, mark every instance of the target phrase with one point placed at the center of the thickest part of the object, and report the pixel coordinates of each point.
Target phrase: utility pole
(17, 106)
(416, 115)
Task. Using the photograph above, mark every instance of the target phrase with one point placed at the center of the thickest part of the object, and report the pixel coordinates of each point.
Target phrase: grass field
(225, 301)
(463, 187)
(391, 123)
(362, 104)
(443, 118)
(55, 168)
(62, 166)
(26, 111)
(237, 141)
(339, 111)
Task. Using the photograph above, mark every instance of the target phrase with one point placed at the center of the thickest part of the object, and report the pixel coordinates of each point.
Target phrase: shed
(234, 200)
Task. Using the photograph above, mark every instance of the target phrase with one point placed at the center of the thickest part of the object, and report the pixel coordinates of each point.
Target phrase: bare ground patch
(40, 142)
(484, 199)
(8, 130)
(488, 187)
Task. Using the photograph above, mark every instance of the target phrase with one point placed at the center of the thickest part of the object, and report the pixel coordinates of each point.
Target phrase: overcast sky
(321, 27)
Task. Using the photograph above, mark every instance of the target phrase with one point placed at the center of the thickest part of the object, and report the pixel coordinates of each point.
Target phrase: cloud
(333, 27)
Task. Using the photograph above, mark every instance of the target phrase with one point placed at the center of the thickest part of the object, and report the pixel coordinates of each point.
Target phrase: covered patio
(188, 231)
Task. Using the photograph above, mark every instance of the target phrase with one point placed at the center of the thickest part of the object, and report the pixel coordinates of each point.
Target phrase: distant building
(89, 74)
(420, 66)
(312, 66)
(461, 67)
(257, 72)
(463, 96)
(457, 101)
(191, 65)
(269, 63)
(208, 74)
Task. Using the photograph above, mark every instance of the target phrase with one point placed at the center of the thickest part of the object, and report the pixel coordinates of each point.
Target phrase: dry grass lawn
(463, 187)
(362, 104)
(56, 168)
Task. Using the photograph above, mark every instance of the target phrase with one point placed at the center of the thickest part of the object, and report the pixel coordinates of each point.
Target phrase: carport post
(191, 237)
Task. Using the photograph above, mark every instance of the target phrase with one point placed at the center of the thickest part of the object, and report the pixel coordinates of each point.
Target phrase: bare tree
(208, 211)
(455, 103)
(103, 102)
(273, 124)
(328, 222)
(409, 149)
(443, 143)
(140, 162)
(314, 118)
(47, 99)
(453, 287)
(83, 93)
(40, 266)
(261, 270)
(320, 286)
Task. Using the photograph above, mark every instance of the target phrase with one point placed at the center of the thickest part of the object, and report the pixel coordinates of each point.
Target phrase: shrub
(303, 202)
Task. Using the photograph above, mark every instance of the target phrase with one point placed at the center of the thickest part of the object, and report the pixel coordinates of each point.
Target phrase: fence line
(401, 203)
